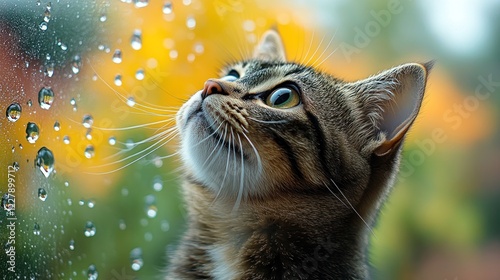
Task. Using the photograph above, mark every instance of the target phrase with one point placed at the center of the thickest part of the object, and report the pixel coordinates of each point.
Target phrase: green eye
(283, 98)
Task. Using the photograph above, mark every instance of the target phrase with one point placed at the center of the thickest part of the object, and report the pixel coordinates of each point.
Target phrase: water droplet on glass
(81, 202)
(117, 56)
(46, 15)
(32, 132)
(91, 203)
(89, 151)
(165, 225)
(36, 229)
(131, 101)
(139, 74)
(15, 166)
(8, 202)
(121, 224)
(45, 97)
(66, 139)
(72, 101)
(151, 208)
(92, 272)
(57, 126)
(136, 40)
(190, 22)
(118, 80)
(88, 134)
(49, 70)
(141, 3)
(64, 47)
(20, 146)
(167, 8)
(72, 244)
(29, 103)
(136, 259)
(66, 184)
(157, 183)
(43, 26)
(45, 161)
(112, 140)
(76, 64)
(42, 194)
(198, 48)
(89, 229)
(87, 121)
(103, 18)
(13, 112)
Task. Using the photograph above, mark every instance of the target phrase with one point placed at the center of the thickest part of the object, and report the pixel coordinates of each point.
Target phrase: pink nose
(212, 87)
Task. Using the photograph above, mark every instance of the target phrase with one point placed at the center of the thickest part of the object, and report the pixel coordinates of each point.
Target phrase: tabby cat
(286, 167)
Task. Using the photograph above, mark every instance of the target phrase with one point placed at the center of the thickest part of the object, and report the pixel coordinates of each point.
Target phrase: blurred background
(90, 90)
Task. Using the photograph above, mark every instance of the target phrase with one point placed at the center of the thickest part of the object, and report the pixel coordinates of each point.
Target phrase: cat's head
(269, 126)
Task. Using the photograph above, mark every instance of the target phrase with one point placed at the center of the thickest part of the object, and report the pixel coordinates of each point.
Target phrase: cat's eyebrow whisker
(310, 45)
(352, 207)
(322, 53)
(312, 56)
(267, 122)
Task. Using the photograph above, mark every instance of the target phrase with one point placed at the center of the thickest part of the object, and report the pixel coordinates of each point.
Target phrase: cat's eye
(283, 98)
(231, 76)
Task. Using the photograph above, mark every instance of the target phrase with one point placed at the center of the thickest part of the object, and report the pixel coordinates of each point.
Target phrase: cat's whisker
(211, 134)
(227, 164)
(257, 155)
(242, 177)
(209, 157)
(352, 207)
(145, 125)
(164, 140)
(267, 122)
(310, 45)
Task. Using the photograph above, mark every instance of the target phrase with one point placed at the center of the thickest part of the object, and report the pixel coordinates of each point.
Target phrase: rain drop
(141, 3)
(42, 194)
(87, 121)
(72, 244)
(103, 18)
(13, 112)
(136, 259)
(57, 126)
(89, 229)
(112, 140)
(8, 202)
(88, 135)
(157, 183)
(46, 16)
(64, 47)
(151, 208)
(81, 202)
(139, 74)
(117, 56)
(15, 166)
(49, 70)
(89, 151)
(190, 22)
(32, 132)
(91, 203)
(76, 64)
(66, 139)
(131, 101)
(29, 103)
(92, 272)
(45, 97)
(45, 161)
(36, 229)
(43, 26)
(118, 80)
(72, 101)
(167, 8)
(136, 40)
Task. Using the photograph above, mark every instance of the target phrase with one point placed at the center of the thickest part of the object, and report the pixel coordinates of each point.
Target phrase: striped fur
(289, 193)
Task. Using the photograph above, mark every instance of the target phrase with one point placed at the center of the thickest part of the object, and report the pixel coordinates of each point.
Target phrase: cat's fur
(289, 193)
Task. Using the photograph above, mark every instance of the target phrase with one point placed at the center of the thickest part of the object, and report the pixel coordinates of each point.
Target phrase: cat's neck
(274, 238)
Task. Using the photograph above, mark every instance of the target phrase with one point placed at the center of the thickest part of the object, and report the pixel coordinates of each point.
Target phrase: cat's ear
(392, 101)
(270, 47)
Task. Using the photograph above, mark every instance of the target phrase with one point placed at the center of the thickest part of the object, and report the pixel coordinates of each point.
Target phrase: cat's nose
(212, 87)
